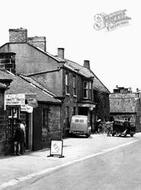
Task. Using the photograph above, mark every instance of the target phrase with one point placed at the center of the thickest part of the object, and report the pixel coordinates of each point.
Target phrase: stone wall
(38, 41)
(18, 35)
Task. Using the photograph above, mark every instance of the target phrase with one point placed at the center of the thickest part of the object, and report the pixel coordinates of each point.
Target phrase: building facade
(70, 82)
(126, 104)
(5, 81)
(37, 112)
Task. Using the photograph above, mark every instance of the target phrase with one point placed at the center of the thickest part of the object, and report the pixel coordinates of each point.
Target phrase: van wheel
(131, 135)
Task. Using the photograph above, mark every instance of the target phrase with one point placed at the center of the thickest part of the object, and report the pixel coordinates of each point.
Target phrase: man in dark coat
(19, 140)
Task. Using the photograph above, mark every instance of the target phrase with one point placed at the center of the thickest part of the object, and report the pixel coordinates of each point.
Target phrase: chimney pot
(61, 53)
(87, 64)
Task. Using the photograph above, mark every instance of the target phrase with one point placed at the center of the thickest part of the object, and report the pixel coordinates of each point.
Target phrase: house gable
(30, 59)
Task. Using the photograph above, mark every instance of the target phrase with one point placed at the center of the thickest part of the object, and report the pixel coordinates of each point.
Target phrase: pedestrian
(126, 126)
(100, 127)
(96, 126)
(109, 126)
(19, 139)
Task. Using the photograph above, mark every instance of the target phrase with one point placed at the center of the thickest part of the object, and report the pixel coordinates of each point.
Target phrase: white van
(80, 125)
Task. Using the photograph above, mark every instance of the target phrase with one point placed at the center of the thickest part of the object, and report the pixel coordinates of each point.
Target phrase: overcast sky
(114, 55)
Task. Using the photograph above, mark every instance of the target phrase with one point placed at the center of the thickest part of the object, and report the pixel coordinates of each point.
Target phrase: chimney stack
(18, 35)
(61, 53)
(86, 64)
(38, 41)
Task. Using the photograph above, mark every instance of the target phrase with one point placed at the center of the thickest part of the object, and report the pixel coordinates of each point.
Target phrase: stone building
(69, 81)
(73, 84)
(5, 81)
(126, 104)
(38, 112)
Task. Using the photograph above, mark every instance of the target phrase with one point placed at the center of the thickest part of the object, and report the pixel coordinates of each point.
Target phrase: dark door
(83, 111)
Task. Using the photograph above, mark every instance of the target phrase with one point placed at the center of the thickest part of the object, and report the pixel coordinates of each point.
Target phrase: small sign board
(32, 100)
(26, 108)
(14, 99)
(56, 148)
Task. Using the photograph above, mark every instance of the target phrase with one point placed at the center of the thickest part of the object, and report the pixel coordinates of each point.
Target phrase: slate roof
(19, 85)
(78, 68)
(4, 75)
(99, 86)
(75, 67)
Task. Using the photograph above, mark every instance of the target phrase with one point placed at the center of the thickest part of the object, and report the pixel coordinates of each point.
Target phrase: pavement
(15, 169)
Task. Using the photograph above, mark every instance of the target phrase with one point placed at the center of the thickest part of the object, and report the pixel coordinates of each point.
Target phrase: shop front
(17, 108)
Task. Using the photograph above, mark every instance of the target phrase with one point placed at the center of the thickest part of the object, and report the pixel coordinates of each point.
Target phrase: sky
(114, 55)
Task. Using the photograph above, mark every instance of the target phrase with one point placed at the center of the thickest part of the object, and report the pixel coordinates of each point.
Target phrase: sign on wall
(26, 108)
(31, 100)
(14, 99)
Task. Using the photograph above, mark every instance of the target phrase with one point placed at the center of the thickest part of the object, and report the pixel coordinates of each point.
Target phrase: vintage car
(122, 128)
(80, 125)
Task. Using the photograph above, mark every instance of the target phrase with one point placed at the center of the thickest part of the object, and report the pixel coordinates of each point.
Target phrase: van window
(76, 120)
(81, 121)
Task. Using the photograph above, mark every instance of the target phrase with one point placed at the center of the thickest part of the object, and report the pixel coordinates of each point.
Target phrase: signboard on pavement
(56, 148)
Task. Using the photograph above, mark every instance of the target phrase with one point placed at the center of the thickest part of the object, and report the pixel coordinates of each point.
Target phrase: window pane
(67, 83)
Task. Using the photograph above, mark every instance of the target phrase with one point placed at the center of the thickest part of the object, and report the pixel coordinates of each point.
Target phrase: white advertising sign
(14, 99)
(26, 108)
(56, 147)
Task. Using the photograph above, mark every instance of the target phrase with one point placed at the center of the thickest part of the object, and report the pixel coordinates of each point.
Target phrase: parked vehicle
(80, 125)
(122, 128)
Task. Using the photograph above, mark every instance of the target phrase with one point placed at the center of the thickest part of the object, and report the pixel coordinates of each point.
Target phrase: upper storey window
(67, 83)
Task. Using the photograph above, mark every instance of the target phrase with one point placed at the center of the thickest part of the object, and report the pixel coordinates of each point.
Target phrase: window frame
(85, 90)
(74, 86)
(67, 90)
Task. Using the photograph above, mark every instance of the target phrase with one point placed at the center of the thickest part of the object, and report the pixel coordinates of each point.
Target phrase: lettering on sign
(14, 99)
(111, 21)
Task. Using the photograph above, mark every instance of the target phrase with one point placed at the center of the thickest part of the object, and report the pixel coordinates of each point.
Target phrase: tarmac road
(99, 162)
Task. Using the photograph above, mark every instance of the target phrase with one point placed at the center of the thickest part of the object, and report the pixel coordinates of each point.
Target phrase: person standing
(19, 140)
